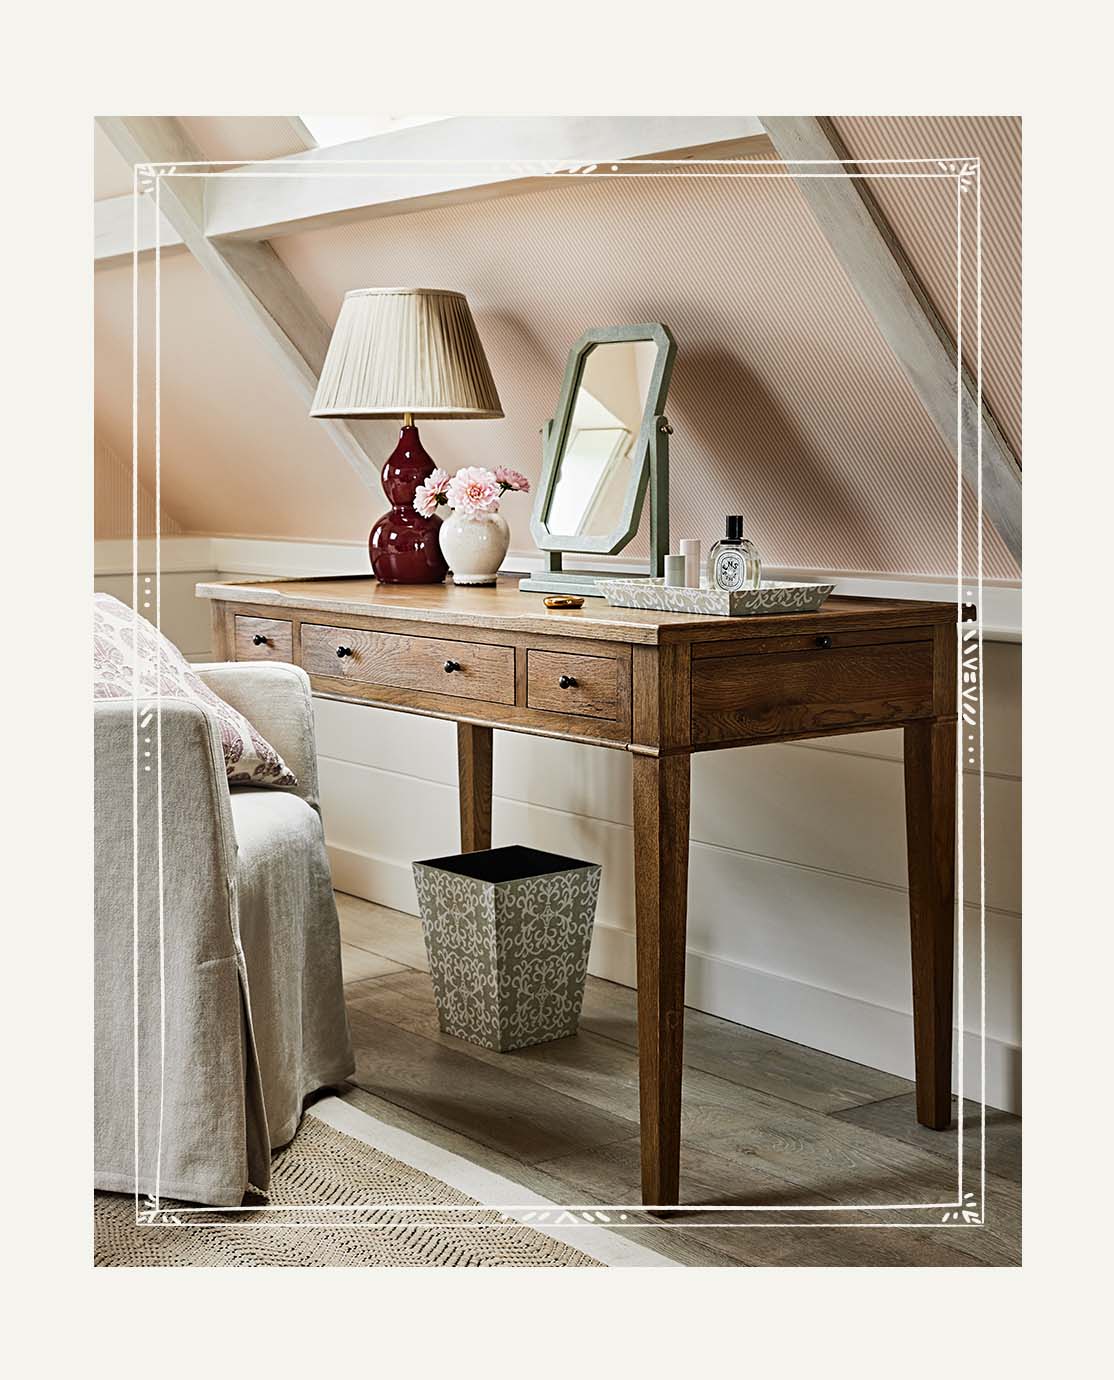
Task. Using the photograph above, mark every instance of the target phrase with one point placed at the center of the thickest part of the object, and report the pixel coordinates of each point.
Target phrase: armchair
(219, 1001)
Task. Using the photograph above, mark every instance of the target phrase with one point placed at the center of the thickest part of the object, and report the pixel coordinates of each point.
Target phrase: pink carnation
(433, 492)
(511, 479)
(473, 491)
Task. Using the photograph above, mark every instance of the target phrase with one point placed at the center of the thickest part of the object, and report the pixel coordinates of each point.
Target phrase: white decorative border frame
(968, 1209)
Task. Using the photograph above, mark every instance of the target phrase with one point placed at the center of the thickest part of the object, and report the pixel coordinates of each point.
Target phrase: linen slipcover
(239, 1014)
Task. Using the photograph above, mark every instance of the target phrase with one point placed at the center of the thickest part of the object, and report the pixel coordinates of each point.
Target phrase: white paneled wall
(798, 909)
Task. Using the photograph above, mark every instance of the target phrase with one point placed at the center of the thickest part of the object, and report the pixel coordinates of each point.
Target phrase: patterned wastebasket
(508, 931)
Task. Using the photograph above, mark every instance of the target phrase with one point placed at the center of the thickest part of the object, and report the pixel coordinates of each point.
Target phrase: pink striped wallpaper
(786, 404)
(240, 454)
(112, 499)
(923, 215)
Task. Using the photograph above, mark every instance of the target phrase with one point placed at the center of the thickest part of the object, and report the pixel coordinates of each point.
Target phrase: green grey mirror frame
(650, 466)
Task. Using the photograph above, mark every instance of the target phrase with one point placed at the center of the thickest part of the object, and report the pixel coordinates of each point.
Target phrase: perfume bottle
(734, 563)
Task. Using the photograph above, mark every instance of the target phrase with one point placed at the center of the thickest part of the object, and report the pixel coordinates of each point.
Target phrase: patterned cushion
(131, 656)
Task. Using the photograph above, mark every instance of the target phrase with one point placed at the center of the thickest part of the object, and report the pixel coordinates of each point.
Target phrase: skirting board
(845, 1026)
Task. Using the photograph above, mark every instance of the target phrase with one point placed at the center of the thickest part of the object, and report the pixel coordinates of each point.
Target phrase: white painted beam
(301, 131)
(252, 276)
(465, 158)
(114, 229)
(882, 275)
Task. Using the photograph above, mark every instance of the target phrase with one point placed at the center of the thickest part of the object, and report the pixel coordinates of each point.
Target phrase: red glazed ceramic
(403, 545)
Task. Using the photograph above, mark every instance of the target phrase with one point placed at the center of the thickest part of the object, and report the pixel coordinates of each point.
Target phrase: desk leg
(473, 756)
(661, 843)
(930, 782)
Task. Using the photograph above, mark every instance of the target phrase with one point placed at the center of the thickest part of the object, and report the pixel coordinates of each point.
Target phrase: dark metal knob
(259, 640)
(451, 665)
(567, 682)
(824, 641)
(344, 651)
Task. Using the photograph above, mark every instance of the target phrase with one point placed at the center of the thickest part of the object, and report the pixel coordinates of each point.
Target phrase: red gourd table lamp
(405, 352)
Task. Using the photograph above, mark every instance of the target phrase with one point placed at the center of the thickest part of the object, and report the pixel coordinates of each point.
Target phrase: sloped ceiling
(112, 176)
(239, 138)
(923, 216)
(786, 404)
(240, 455)
(112, 499)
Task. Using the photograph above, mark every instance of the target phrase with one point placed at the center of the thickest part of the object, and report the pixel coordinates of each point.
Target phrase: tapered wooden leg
(473, 755)
(661, 855)
(930, 781)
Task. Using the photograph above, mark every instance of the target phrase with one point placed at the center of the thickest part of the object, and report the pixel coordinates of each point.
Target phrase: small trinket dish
(563, 601)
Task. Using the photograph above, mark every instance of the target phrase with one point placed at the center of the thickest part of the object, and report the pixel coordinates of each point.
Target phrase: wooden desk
(659, 686)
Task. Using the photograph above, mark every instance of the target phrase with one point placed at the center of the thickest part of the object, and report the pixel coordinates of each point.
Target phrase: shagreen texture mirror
(608, 443)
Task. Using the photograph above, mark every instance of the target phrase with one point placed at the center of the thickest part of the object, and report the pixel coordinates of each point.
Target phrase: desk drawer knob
(567, 682)
(259, 640)
(344, 651)
(451, 666)
(824, 641)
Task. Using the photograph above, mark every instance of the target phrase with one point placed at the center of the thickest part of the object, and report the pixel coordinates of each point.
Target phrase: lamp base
(404, 546)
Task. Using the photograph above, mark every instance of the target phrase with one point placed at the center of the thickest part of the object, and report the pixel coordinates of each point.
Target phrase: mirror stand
(554, 579)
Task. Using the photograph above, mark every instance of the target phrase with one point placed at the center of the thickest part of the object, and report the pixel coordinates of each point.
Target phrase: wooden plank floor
(766, 1124)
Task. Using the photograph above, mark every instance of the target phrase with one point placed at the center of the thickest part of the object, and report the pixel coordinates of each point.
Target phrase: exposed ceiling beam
(114, 229)
(307, 197)
(301, 131)
(252, 276)
(879, 270)
(437, 164)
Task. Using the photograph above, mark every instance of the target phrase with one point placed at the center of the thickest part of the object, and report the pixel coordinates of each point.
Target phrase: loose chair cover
(219, 1001)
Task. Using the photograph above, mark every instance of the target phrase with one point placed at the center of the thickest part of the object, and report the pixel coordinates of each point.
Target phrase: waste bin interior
(509, 864)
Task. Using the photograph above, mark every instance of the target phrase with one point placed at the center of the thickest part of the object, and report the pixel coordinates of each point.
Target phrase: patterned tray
(773, 596)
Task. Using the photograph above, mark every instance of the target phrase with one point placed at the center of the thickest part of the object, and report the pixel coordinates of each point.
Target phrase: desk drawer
(568, 684)
(263, 639)
(477, 671)
(809, 689)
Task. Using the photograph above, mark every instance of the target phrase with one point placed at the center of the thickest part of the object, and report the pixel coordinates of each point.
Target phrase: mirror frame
(554, 439)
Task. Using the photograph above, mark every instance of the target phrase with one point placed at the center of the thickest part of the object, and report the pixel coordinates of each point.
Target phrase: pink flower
(473, 491)
(427, 496)
(511, 479)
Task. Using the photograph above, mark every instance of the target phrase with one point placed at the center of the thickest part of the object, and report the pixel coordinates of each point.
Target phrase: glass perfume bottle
(734, 563)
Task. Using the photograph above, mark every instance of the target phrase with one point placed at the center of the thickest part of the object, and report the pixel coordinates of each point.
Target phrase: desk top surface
(505, 606)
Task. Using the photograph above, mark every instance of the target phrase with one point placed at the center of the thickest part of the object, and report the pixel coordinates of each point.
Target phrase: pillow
(122, 641)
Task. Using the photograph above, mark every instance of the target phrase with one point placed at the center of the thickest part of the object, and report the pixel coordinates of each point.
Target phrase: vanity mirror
(607, 443)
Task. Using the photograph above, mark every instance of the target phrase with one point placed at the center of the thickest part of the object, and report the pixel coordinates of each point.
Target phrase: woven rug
(312, 1216)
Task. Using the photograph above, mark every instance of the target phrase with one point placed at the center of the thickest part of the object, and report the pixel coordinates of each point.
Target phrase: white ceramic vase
(474, 547)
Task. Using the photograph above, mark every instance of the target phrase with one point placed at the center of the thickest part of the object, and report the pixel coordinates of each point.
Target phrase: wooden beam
(465, 158)
(301, 131)
(879, 270)
(298, 192)
(252, 276)
(114, 229)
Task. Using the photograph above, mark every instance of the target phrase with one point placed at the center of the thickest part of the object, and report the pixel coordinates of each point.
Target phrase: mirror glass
(598, 454)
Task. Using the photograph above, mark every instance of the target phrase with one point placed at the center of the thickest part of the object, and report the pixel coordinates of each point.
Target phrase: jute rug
(314, 1214)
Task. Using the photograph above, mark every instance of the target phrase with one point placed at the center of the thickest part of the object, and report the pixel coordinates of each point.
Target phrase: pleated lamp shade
(405, 350)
